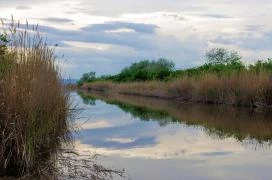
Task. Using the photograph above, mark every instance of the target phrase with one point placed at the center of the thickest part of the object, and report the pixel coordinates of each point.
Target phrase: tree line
(218, 61)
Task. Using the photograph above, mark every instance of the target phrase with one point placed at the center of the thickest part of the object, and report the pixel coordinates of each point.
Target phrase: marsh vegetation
(36, 113)
(223, 79)
(34, 106)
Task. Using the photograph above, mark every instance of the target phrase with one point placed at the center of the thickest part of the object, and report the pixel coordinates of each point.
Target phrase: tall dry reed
(245, 88)
(33, 105)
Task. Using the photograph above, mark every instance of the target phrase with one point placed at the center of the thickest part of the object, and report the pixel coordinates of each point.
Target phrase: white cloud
(86, 45)
(122, 30)
(121, 140)
(119, 32)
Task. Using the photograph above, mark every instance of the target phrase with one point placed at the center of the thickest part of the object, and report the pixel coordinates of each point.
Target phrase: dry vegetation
(33, 104)
(223, 79)
(246, 88)
(36, 117)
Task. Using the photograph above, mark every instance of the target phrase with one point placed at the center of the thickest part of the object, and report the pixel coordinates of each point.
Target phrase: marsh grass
(34, 106)
(246, 88)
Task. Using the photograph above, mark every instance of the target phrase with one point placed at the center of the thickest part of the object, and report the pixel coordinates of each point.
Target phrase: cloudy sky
(107, 35)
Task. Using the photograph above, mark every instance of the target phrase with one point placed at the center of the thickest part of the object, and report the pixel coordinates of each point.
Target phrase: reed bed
(246, 88)
(34, 106)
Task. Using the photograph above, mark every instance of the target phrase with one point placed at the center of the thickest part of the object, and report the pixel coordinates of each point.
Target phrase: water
(163, 140)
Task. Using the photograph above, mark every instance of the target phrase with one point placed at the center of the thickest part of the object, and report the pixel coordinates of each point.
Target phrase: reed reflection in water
(176, 140)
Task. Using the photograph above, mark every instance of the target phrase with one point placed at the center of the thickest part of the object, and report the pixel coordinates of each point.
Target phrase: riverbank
(246, 88)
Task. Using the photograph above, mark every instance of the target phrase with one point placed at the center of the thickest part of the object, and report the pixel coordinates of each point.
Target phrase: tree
(222, 56)
(147, 70)
(86, 77)
(161, 69)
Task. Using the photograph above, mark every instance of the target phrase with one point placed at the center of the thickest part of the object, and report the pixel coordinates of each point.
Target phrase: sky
(107, 35)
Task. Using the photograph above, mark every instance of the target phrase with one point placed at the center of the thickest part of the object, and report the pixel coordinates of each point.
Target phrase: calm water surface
(165, 140)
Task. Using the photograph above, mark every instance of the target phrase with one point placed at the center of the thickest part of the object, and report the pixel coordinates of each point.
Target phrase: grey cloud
(76, 10)
(27, 3)
(217, 16)
(184, 54)
(23, 7)
(175, 16)
(253, 28)
(57, 20)
(118, 7)
(248, 41)
(138, 27)
(260, 43)
(145, 42)
(142, 38)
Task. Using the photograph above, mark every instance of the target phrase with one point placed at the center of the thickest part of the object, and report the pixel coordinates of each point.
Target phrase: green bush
(146, 70)
(5, 63)
(141, 71)
(218, 69)
(262, 65)
(86, 77)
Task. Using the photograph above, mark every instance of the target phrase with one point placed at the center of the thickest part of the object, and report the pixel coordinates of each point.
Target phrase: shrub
(141, 71)
(262, 65)
(147, 70)
(217, 69)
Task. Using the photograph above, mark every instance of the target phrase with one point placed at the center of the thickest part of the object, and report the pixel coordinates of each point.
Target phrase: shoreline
(177, 99)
